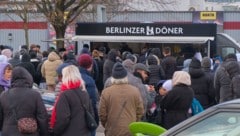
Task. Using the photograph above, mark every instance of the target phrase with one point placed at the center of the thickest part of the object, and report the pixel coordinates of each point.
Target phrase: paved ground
(100, 131)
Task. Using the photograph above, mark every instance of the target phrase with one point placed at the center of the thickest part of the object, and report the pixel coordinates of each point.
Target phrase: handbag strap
(83, 105)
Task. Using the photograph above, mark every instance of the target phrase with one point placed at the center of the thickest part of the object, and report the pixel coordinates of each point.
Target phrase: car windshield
(220, 124)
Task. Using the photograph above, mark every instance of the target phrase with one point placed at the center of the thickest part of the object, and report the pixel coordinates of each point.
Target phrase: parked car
(220, 120)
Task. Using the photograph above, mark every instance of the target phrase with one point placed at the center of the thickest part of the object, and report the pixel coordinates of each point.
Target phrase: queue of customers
(117, 86)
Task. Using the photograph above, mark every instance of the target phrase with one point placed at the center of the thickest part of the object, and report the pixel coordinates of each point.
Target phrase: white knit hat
(167, 85)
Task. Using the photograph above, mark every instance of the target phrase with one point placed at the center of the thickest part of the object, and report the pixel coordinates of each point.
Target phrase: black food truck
(201, 37)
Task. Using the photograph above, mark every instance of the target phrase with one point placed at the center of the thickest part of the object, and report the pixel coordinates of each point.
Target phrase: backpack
(196, 107)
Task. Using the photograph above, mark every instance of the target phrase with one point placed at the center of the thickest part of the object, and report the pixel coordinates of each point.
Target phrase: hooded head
(112, 55)
(206, 62)
(153, 60)
(21, 78)
(26, 58)
(181, 77)
(3, 67)
(195, 63)
(16, 55)
(128, 65)
(3, 59)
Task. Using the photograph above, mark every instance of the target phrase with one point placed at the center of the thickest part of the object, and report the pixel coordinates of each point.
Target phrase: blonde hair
(71, 74)
(119, 81)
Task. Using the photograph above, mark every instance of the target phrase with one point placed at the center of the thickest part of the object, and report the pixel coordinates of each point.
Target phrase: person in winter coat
(48, 70)
(201, 84)
(169, 63)
(68, 116)
(35, 61)
(16, 59)
(206, 64)
(146, 95)
(5, 76)
(85, 62)
(186, 64)
(26, 101)
(120, 104)
(156, 71)
(98, 57)
(223, 78)
(25, 63)
(108, 64)
(177, 102)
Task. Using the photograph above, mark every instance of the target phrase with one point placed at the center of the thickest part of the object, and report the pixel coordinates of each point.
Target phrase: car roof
(233, 103)
(225, 106)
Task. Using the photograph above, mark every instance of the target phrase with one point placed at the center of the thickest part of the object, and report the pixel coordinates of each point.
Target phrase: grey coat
(223, 80)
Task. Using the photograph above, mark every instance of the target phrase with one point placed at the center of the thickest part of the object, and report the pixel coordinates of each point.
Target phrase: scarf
(64, 87)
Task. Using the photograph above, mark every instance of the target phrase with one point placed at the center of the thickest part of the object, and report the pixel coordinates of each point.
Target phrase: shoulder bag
(90, 120)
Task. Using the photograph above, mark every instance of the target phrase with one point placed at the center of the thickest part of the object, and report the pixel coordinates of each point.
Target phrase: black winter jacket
(26, 101)
(169, 66)
(176, 105)
(201, 86)
(70, 115)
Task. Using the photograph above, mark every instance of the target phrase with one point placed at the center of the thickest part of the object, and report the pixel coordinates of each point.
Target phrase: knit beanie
(85, 61)
(206, 62)
(195, 63)
(167, 85)
(60, 68)
(118, 71)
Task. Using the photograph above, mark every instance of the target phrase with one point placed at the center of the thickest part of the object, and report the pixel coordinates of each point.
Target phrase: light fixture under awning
(144, 39)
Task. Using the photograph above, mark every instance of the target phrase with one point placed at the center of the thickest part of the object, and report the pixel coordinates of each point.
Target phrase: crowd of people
(116, 86)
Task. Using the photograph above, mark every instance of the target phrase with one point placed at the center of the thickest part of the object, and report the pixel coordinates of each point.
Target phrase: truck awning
(145, 39)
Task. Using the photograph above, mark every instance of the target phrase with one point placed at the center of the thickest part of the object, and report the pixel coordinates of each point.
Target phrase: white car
(220, 120)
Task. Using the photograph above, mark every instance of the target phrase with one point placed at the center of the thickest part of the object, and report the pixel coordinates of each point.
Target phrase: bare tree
(114, 7)
(60, 13)
(24, 10)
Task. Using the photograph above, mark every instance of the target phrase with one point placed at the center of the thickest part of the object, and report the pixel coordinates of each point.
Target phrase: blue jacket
(91, 89)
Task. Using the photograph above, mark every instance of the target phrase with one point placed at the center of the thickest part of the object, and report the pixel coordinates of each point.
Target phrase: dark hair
(85, 46)
(33, 54)
(167, 50)
(24, 47)
(45, 53)
(230, 56)
(38, 46)
(8, 67)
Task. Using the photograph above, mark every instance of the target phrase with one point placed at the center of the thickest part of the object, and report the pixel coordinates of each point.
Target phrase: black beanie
(118, 71)
(195, 63)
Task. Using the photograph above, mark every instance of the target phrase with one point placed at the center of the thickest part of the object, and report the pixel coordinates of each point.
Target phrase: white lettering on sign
(145, 31)
(165, 30)
(125, 30)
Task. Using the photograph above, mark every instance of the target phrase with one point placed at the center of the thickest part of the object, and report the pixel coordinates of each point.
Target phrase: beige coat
(119, 106)
(49, 68)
